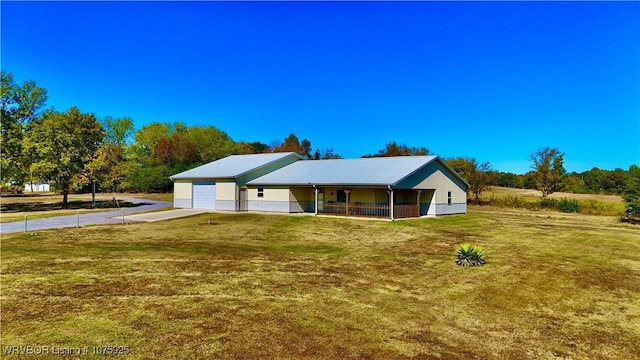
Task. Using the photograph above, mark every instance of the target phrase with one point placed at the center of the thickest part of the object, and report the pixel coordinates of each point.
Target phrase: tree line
(76, 151)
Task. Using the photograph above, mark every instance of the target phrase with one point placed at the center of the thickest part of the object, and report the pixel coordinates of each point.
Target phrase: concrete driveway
(162, 215)
(92, 218)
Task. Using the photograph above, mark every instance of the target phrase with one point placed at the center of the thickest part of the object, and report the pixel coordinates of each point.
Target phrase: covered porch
(364, 201)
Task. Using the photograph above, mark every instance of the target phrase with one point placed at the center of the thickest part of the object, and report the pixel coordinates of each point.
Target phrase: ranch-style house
(382, 187)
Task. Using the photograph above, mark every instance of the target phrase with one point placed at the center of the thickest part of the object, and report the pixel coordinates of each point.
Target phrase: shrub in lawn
(632, 214)
(511, 202)
(634, 209)
(569, 206)
(514, 202)
(470, 255)
(547, 203)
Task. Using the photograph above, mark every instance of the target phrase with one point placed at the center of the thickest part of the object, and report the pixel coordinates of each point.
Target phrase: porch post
(418, 201)
(315, 208)
(390, 191)
(347, 191)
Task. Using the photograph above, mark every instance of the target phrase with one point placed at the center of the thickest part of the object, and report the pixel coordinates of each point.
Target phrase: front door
(242, 206)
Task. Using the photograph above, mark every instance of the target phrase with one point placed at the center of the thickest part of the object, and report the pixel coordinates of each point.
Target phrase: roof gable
(233, 166)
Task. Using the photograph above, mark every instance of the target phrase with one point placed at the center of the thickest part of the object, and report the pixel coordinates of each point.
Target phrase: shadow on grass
(73, 205)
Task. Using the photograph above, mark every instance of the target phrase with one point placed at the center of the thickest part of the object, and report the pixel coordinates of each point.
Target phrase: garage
(204, 195)
(216, 185)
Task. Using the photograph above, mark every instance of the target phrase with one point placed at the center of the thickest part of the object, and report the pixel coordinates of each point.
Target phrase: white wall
(439, 181)
(275, 199)
(182, 193)
(226, 190)
(435, 177)
(270, 194)
(226, 195)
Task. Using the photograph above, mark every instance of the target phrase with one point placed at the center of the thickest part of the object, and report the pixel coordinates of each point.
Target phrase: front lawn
(270, 286)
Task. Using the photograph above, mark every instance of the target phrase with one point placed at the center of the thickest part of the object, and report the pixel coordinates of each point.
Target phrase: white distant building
(37, 187)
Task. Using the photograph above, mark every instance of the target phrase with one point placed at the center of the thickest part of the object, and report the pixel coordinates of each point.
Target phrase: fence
(66, 221)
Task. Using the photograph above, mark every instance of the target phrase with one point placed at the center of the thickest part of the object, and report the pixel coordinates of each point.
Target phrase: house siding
(226, 195)
(226, 205)
(435, 177)
(454, 208)
(275, 199)
(271, 206)
(182, 194)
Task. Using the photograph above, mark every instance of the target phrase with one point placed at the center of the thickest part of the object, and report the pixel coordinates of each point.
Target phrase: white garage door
(204, 195)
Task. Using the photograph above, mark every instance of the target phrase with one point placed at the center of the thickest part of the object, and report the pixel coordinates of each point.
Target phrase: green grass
(253, 286)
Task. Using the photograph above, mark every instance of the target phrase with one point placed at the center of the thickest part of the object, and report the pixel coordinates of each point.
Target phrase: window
(261, 192)
(449, 198)
(341, 196)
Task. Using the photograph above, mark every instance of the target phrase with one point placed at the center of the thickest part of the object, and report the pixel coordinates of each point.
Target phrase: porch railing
(333, 208)
(405, 211)
(380, 210)
(355, 209)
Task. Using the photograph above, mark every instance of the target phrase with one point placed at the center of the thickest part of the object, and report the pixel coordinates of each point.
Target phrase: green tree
(149, 135)
(325, 154)
(395, 149)
(574, 183)
(508, 179)
(64, 144)
(118, 131)
(163, 149)
(19, 105)
(176, 150)
(255, 147)
(107, 167)
(477, 174)
(210, 143)
(142, 172)
(549, 170)
(594, 180)
(292, 144)
(528, 180)
(631, 191)
(616, 181)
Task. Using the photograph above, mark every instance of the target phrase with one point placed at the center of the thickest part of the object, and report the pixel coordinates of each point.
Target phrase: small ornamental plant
(470, 255)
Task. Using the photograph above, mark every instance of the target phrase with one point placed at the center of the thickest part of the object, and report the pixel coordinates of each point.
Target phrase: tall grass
(589, 207)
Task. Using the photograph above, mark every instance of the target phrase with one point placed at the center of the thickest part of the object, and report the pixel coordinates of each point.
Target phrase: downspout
(390, 202)
(315, 193)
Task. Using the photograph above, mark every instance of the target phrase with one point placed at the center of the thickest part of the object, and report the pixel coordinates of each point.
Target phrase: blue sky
(489, 80)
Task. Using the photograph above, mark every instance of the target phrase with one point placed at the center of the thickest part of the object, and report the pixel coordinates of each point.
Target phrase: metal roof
(380, 171)
(232, 166)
